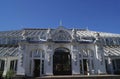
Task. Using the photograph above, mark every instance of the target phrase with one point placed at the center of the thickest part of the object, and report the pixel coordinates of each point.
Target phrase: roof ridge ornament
(61, 27)
(23, 34)
(73, 33)
(60, 23)
(48, 34)
(87, 29)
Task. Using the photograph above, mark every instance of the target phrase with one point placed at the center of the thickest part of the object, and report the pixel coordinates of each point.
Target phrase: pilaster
(75, 60)
(49, 60)
(20, 68)
(96, 60)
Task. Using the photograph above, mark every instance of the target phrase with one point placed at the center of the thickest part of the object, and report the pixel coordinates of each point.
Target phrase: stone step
(79, 77)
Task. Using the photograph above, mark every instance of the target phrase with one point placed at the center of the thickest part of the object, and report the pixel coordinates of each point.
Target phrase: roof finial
(86, 28)
(60, 22)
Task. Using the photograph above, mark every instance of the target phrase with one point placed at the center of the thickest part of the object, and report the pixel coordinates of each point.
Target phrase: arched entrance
(62, 62)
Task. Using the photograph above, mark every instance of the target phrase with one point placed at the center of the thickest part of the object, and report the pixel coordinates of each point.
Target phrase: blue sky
(97, 15)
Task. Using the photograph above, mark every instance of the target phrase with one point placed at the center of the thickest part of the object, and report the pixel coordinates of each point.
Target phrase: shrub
(1, 72)
(10, 74)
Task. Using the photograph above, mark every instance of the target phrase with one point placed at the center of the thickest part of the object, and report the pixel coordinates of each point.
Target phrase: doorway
(62, 62)
(85, 66)
(36, 67)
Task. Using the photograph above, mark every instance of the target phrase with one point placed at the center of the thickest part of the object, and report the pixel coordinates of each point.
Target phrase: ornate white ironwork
(61, 35)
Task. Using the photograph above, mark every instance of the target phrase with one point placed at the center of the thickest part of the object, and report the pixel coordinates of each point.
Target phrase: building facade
(60, 51)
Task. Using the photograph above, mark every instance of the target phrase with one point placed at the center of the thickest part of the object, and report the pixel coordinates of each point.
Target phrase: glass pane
(12, 65)
(42, 66)
(2, 65)
(43, 55)
(16, 65)
(81, 71)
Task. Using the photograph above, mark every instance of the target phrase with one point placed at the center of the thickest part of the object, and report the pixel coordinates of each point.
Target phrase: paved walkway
(80, 77)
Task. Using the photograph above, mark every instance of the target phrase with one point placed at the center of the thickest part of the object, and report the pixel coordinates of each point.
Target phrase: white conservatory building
(60, 51)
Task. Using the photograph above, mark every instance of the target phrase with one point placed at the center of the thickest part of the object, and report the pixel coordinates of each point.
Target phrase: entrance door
(85, 66)
(36, 67)
(62, 63)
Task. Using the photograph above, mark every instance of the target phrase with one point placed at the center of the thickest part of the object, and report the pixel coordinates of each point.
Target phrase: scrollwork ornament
(75, 59)
(49, 59)
(49, 47)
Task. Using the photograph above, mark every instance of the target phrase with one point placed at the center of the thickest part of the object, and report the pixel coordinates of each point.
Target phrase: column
(0, 63)
(89, 62)
(88, 70)
(110, 65)
(6, 66)
(41, 64)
